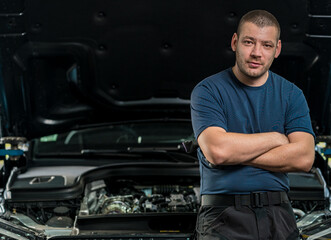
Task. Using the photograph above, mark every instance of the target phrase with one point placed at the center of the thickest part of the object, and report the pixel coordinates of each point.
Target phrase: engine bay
(143, 203)
(148, 202)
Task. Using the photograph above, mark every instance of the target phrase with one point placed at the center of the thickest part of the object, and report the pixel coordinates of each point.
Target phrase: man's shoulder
(217, 78)
(283, 82)
(211, 86)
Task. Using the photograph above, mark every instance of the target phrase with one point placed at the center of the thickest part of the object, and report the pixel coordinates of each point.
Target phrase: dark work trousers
(275, 222)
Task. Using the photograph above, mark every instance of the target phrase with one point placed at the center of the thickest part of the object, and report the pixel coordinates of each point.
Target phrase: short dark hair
(260, 18)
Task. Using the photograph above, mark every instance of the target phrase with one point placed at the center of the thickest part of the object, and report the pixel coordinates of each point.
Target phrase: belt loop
(256, 199)
(284, 197)
(269, 198)
(237, 201)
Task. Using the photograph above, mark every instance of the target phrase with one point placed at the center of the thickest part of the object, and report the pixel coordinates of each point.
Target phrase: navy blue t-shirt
(222, 100)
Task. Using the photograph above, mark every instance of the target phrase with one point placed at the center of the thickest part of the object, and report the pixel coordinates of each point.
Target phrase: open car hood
(66, 63)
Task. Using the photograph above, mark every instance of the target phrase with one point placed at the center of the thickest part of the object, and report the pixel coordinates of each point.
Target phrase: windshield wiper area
(156, 149)
(176, 153)
(172, 153)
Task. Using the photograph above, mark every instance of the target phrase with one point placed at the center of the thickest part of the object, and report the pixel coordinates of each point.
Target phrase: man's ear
(234, 42)
(278, 48)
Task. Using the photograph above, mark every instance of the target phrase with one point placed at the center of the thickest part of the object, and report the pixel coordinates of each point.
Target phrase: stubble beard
(251, 75)
(241, 63)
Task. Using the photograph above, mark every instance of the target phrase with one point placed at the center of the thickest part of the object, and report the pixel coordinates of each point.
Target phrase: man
(252, 127)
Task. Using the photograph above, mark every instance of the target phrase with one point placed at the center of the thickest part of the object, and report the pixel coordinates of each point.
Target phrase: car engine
(126, 196)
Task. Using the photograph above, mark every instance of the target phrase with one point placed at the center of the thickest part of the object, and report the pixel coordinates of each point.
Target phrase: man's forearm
(221, 147)
(298, 155)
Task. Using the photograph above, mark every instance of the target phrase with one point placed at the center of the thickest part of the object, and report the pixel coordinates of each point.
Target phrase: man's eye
(248, 42)
(268, 46)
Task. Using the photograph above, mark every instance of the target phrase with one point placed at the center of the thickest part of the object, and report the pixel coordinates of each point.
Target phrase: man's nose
(256, 51)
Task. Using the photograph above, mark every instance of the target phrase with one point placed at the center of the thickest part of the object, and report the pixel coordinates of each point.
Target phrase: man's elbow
(307, 162)
(217, 156)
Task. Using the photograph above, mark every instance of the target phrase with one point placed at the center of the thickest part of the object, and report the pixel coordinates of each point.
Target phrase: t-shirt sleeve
(297, 115)
(206, 109)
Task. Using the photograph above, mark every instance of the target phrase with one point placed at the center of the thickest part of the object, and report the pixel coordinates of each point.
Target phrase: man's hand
(283, 139)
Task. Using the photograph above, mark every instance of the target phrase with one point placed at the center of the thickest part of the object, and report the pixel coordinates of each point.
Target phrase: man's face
(255, 49)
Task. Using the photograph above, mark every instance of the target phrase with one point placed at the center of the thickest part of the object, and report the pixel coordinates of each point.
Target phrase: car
(96, 140)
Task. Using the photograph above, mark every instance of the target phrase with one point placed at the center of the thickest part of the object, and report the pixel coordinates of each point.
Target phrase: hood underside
(67, 63)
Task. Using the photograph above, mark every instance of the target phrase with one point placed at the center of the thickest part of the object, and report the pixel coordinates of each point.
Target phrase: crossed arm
(272, 151)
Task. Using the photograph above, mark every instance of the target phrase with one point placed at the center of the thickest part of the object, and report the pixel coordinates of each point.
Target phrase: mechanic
(252, 127)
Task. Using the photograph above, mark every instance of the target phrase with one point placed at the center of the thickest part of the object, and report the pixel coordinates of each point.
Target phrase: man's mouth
(254, 64)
